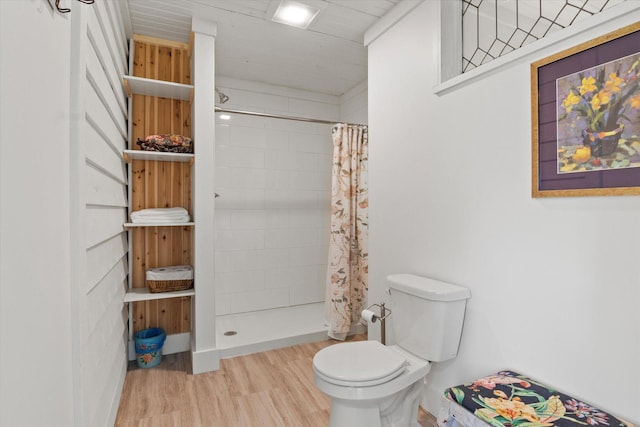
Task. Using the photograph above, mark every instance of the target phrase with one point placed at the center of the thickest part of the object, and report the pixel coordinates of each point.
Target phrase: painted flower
(613, 84)
(599, 96)
(582, 410)
(147, 358)
(599, 99)
(512, 409)
(571, 100)
(490, 382)
(588, 85)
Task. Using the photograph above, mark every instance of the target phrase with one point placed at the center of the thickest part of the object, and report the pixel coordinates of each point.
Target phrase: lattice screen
(493, 28)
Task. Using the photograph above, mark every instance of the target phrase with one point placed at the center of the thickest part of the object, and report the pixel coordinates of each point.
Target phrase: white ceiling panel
(328, 57)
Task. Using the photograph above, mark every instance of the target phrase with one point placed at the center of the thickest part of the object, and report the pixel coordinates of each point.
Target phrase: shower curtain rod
(280, 116)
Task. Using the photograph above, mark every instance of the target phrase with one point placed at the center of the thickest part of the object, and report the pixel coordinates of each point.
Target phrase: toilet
(371, 384)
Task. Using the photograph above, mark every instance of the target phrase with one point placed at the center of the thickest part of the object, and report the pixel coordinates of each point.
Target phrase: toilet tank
(427, 315)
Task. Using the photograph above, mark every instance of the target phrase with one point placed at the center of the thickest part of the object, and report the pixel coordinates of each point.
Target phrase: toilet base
(399, 410)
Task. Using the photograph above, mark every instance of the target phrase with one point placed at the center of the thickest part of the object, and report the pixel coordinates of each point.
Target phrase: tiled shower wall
(272, 217)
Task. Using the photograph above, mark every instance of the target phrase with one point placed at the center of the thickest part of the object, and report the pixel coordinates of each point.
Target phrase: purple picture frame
(546, 180)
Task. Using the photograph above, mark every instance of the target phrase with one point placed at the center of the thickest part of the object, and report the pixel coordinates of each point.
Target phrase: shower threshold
(246, 333)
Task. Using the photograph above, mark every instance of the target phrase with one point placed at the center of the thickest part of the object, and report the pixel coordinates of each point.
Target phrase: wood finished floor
(273, 388)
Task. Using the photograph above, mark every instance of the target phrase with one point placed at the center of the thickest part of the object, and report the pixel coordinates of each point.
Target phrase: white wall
(272, 216)
(99, 208)
(555, 282)
(63, 358)
(35, 300)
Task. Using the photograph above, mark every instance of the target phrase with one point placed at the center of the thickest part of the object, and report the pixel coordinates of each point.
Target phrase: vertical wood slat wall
(158, 184)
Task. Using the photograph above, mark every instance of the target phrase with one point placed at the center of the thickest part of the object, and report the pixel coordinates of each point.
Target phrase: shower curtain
(347, 269)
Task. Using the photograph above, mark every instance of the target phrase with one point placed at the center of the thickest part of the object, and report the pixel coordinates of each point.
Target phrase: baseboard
(205, 361)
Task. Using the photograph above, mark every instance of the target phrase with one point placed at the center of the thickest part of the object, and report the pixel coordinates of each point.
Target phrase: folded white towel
(159, 220)
(160, 212)
(160, 215)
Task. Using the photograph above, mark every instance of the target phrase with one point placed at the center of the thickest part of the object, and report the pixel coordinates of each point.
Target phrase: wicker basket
(167, 279)
(168, 285)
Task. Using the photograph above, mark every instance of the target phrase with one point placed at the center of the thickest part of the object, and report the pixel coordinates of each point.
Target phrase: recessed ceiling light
(293, 13)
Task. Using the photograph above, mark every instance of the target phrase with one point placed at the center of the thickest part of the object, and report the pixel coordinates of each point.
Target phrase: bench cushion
(508, 399)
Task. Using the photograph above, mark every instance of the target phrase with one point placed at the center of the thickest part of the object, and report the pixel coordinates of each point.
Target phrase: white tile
(240, 281)
(315, 255)
(222, 262)
(247, 219)
(277, 140)
(261, 300)
(222, 177)
(314, 109)
(277, 218)
(306, 294)
(222, 219)
(289, 161)
(311, 143)
(321, 280)
(244, 120)
(306, 217)
(291, 277)
(307, 181)
(276, 179)
(285, 238)
(298, 161)
(258, 260)
(323, 198)
(242, 136)
(237, 240)
(231, 198)
(223, 304)
(222, 135)
(277, 199)
(247, 178)
(292, 126)
(259, 100)
(239, 157)
(303, 199)
(325, 164)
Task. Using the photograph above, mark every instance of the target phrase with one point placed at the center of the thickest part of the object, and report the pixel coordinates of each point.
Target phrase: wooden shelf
(159, 88)
(143, 294)
(130, 155)
(168, 224)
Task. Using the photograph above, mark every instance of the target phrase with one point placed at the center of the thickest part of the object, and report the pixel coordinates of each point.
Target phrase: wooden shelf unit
(160, 99)
(130, 155)
(143, 294)
(158, 88)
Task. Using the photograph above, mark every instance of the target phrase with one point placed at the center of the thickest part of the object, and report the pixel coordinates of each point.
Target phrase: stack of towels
(160, 216)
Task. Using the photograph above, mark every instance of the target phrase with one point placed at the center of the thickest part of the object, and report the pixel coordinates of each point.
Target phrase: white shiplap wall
(62, 255)
(99, 203)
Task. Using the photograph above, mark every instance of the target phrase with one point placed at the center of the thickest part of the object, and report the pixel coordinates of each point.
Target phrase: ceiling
(328, 57)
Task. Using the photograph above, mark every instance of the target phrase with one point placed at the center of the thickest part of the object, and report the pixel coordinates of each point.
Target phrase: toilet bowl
(373, 385)
(370, 384)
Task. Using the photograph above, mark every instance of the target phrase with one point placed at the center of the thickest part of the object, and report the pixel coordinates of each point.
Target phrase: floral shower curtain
(347, 269)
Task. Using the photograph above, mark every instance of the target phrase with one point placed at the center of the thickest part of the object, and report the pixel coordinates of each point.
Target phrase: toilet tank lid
(426, 288)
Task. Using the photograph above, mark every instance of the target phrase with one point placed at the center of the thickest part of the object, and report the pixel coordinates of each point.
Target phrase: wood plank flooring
(273, 388)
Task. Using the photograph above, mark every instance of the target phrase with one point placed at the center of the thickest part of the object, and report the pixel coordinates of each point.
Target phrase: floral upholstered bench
(508, 399)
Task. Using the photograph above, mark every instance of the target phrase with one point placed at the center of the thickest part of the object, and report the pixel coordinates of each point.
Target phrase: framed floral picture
(586, 118)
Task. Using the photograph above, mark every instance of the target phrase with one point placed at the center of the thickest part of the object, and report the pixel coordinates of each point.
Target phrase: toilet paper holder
(384, 313)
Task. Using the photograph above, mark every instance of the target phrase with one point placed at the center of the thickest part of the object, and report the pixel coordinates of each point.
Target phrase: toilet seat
(359, 364)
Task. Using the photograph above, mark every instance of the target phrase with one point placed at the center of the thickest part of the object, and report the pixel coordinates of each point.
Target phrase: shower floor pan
(246, 333)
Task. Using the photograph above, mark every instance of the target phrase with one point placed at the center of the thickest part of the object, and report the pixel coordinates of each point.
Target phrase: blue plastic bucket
(149, 344)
